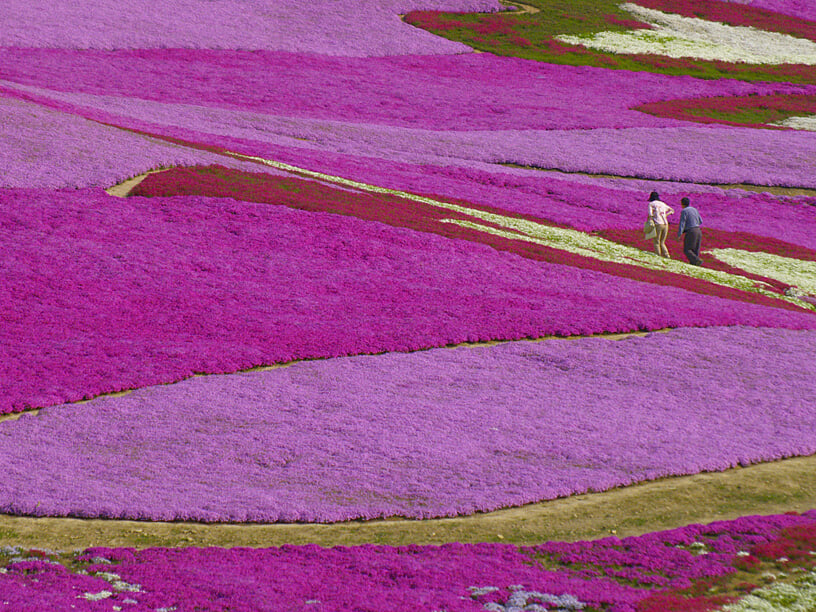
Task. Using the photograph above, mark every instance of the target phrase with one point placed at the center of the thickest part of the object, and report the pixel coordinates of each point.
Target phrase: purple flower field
(348, 27)
(40, 147)
(703, 154)
(460, 92)
(796, 8)
(666, 568)
(433, 433)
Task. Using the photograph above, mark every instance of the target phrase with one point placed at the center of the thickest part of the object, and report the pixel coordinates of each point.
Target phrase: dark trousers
(691, 245)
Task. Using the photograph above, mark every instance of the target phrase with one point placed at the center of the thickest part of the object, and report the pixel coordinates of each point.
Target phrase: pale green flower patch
(676, 36)
(573, 241)
(794, 272)
(807, 123)
(799, 596)
(583, 244)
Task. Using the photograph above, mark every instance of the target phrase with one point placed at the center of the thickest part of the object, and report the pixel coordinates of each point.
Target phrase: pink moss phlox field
(372, 578)
(578, 203)
(40, 147)
(704, 154)
(671, 559)
(331, 27)
(795, 8)
(104, 294)
(366, 578)
(461, 92)
(432, 433)
(589, 206)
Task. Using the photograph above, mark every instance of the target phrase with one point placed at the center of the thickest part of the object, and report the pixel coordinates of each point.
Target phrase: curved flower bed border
(694, 568)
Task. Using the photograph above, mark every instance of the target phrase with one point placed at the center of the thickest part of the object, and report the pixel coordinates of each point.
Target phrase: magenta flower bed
(452, 577)
(104, 294)
(461, 92)
(332, 27)
(795, 8)
(433, 433)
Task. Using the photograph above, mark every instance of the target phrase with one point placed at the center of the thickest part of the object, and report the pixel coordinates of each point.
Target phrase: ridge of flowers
(573, 241)
(270, 446)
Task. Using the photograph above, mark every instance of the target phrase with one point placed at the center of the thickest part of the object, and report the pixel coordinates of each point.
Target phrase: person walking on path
(657, 215)
(689, 228)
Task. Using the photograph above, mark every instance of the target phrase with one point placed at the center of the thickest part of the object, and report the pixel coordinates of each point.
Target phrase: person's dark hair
(684, 202)
(653, 196)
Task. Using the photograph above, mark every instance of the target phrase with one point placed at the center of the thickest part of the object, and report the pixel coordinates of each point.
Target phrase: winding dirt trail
(769, 488)
(521, 8)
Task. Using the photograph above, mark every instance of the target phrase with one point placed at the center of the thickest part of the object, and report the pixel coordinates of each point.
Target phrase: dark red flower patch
(796, 544)
(751, 110)
(670, 602)
(736, 15)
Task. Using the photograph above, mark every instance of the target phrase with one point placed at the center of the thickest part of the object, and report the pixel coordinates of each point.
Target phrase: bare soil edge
(768, 488)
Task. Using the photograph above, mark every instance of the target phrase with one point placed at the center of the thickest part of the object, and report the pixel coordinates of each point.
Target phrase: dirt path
(522, 8)
(121, 190)
(770, 488)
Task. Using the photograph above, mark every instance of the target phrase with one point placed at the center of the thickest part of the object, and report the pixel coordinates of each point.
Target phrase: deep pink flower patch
(103, 294)
(308, 195)
(452, 577)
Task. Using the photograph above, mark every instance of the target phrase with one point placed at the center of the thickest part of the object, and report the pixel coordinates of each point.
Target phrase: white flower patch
(794, 272)
(96, 596)
(676, 36)
(799, 123)
(117, 583)
(797, 597)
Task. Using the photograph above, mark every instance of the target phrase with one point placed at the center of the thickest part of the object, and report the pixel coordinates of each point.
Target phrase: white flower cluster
(800, 596)
(794, 272)
(677, 36)
(799, 123)
(521, 600)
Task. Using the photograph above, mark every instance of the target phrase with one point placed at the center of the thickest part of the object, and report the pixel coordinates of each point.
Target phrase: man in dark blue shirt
(690, 224)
